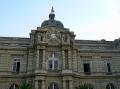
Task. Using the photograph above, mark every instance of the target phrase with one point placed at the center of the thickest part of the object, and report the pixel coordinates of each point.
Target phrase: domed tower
(52, 32)
(52, 46)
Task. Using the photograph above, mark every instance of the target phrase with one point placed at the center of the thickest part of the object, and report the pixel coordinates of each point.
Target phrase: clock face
(53, 36)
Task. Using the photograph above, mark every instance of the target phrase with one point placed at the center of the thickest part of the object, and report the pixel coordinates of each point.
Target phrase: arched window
(53, 62)
(53, 86)
(110, 86)
(86, 86)
(13, 86)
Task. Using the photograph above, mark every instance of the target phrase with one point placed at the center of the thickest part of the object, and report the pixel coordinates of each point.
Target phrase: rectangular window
(108, 68)
(16, 65)
(87, 68)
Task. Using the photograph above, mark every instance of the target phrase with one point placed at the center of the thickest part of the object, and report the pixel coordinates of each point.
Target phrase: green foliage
(25, 85)
(82, 87)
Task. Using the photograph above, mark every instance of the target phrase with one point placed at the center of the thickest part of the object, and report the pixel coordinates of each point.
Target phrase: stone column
(36, 84)
(74, 60)
(70, 84)
(43, 84)
(63, 59)
(37, 59)
(69, 60)
(44, 58)
(64, 84)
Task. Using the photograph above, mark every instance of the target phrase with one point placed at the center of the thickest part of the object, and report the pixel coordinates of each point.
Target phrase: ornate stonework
(53, 59)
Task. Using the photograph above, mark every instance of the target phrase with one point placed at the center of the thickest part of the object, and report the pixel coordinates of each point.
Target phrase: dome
(52, 21)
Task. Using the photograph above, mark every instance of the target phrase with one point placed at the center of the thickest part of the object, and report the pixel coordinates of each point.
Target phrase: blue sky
(89, 19)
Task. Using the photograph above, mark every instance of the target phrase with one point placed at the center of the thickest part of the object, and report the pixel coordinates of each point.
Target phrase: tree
(82, 87)
(25, 85)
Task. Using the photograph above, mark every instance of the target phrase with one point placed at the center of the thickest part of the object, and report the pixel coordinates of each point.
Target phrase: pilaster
(43, 84)
(63, 61)
(74, 60)
(37, 59)
(64, 84)
(69, 60)
(36, 84)
(71, 84)
(44, 58)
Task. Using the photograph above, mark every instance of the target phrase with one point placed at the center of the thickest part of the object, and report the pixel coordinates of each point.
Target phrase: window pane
(18, 67)
(87, 68)
(14, 66)
(108, 67)
(50, 64)
(56, 64)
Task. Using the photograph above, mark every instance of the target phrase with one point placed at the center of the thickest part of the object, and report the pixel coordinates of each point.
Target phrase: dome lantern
(52, 15)
(52, 22)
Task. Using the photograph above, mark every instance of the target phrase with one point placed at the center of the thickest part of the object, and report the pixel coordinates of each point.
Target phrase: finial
(52, 15)
(52, 10)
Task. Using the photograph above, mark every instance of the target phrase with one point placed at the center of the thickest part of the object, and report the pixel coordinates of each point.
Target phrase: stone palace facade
(53, 59)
